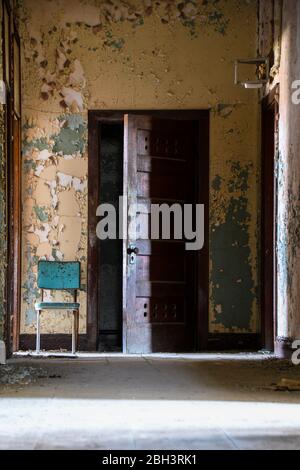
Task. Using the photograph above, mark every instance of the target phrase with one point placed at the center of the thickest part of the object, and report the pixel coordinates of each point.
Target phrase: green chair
(59, 275)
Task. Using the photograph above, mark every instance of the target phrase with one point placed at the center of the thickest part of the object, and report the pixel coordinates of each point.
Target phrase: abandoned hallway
(149, 224)
(205, 401)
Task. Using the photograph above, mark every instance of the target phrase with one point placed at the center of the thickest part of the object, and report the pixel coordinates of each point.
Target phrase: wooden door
(159, 291)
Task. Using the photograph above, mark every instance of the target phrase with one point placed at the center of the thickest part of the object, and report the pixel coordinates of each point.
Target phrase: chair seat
(57, 306)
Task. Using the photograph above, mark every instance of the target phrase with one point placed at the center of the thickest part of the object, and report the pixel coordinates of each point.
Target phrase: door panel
(159, 291)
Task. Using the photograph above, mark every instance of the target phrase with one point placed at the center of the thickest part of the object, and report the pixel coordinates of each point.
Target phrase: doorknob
(132, 250)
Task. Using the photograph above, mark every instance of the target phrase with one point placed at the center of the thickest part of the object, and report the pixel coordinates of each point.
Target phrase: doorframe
(13, 179)
(16, 202)
(95, 118)
(269, 104)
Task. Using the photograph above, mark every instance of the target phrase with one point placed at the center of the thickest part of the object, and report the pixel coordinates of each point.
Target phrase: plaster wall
(288, 235)
(285, 45)
(92, 54)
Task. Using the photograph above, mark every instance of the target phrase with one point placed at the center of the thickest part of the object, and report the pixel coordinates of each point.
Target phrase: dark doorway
(110, 251)
(268, 219)
(156, 299)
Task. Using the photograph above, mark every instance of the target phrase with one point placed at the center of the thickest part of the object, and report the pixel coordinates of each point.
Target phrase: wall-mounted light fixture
(262, 72)
(2, 92)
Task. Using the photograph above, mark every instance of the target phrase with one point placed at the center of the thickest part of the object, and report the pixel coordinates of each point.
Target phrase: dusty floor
(173, 402)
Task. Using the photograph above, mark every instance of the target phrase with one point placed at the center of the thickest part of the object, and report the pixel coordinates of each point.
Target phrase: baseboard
(216, 342)
(52, 342)
(110, 341)
(234, 341)
(283, 347)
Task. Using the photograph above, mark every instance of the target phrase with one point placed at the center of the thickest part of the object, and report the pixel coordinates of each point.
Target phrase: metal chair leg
(76, 331)
(73, 333)
(38, 338)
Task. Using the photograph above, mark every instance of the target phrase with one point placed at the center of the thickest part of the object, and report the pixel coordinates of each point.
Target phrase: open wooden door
(160, 276)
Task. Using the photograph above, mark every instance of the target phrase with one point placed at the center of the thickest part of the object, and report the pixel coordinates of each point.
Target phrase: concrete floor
(210, 401)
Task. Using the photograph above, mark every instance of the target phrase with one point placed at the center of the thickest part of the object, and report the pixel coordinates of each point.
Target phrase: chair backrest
(59, 275)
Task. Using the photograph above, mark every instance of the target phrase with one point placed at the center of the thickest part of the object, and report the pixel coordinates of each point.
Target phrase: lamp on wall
(2, 92)
(262, 72)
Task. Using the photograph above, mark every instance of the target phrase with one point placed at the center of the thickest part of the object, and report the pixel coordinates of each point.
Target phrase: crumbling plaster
(115, 54)
(288, 235)
(286, 50)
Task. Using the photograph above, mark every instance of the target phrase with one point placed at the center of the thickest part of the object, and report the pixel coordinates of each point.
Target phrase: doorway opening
(268, 219)
(153, 296)
(110, 251)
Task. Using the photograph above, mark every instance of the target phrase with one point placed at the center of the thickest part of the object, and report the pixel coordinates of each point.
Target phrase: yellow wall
(90, 54)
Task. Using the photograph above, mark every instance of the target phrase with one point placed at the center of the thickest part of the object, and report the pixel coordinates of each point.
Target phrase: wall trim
(216, 342)
(52, 342)
(268, 221)
(234, 341)
(95, 118)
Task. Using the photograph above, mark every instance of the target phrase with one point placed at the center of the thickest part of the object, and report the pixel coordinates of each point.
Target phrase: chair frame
(75, 322)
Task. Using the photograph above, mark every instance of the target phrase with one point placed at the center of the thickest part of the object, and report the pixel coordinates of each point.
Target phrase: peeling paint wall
(288, 235)
(286, 50)
(233, 287)
(55, 206)
(98, 54)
